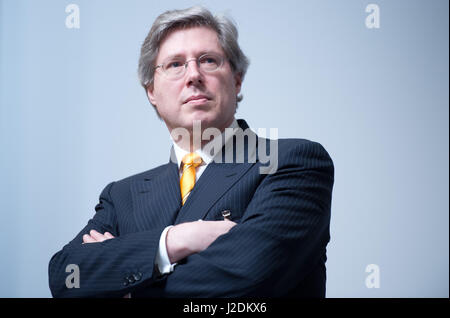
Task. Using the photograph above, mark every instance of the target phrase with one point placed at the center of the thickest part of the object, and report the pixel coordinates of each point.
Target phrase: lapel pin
(226, 214)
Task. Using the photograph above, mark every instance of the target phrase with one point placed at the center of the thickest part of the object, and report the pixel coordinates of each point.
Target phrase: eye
(173, 64)
(209, 60)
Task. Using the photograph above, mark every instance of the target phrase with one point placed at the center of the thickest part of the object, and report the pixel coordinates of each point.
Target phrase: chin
(205, 119)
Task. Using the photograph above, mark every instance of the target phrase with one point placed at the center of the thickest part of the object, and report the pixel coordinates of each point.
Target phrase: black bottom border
(231, 307)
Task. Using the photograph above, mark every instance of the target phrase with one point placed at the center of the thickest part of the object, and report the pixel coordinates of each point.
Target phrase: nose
(186, 64)
(193, 74)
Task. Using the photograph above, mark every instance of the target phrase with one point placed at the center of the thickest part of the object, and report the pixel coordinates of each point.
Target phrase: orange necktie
(189, 163)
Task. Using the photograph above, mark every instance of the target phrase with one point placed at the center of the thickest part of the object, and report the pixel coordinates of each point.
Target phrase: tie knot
(192, 159)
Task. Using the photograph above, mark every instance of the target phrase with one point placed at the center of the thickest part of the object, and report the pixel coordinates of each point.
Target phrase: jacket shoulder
(301, 145)
(303, 151)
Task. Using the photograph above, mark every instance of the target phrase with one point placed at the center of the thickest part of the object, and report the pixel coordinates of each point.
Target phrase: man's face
(220, 87)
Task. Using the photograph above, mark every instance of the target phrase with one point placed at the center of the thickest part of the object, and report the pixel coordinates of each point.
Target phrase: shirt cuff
(162, 259)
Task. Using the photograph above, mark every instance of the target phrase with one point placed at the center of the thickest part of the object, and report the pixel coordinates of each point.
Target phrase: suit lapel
(156, 198)
(216, 180)
(212, 185)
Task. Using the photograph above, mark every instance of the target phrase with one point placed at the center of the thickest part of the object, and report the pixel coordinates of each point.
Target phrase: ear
(238, 82)
(150, 94)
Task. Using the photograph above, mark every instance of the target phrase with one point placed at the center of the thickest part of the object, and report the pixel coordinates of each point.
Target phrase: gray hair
(178, 19)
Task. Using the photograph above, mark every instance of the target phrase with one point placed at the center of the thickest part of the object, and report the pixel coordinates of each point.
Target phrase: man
(205, 225)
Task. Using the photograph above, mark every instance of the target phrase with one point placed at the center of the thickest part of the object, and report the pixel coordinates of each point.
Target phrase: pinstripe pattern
(277, 249)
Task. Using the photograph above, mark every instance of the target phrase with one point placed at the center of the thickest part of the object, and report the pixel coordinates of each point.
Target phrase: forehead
(189, 41)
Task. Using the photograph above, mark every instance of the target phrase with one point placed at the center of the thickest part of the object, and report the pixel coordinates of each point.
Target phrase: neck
(196, 137)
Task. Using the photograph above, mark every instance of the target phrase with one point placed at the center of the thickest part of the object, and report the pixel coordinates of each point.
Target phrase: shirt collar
(206, 157)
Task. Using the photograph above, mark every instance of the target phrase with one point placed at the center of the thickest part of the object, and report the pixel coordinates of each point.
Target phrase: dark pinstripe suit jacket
(277, 249)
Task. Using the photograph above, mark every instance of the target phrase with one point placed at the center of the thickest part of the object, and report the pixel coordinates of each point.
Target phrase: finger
(108, 235)
(97, 236)
(88, 239)
(229, 224)
(226, 226)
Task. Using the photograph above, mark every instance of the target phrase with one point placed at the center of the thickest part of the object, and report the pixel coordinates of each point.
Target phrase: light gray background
(73, 118)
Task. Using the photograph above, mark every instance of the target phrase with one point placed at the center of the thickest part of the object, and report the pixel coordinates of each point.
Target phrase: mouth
(197, 99)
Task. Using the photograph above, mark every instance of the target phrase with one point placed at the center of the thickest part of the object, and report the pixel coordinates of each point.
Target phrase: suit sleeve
(111, 268)
(281, 238)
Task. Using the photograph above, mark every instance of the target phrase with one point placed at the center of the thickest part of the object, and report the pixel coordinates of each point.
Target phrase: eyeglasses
(175, 67)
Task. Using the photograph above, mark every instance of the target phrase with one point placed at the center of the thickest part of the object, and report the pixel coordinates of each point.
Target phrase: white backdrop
(73, 118)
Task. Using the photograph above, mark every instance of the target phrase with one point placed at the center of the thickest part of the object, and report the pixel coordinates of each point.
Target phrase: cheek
(228, 91)
(165, 93)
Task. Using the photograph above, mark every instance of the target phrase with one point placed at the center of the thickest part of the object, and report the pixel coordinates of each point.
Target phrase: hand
(95, 237)
(188, 238)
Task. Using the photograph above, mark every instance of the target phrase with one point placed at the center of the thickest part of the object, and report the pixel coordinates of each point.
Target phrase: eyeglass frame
(197, 59)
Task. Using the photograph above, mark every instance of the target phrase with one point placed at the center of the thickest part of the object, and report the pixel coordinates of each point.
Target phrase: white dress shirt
(162, 259)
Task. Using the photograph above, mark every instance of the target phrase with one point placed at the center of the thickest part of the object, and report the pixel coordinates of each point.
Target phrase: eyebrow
(184, 55)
